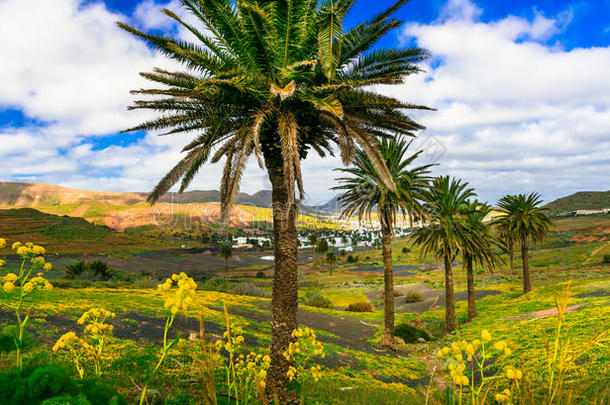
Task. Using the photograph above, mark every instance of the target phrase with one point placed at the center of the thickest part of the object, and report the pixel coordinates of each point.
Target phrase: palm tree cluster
(280, 79)
(276, 80)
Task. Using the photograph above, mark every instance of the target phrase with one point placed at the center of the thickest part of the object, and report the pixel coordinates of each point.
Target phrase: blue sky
(521, 88)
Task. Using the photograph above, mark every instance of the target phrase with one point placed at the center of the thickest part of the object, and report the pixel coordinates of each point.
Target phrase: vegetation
(410, 334)
(315, 299)
(449, 232)
(364, 306)
(364, 190)
(525, 221)
(584, 200)
(287, 78)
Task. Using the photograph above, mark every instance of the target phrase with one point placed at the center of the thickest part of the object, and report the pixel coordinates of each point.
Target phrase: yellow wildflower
(2, 243)
(500, 346)
(12, 277)
(9, 287)
(47, 267)
(16, 245)
(28, 287)
(485, 335)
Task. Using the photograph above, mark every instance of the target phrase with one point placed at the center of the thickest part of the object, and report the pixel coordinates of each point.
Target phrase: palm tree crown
(523, 218)
(275, 80)
(450, 230)
(365, 190)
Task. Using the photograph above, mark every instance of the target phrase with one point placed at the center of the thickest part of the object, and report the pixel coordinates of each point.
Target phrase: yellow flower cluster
(28, 250)
(504, 396)
(182, 295)
(96, 318)
(457, 374)
(70, 341)
(231, 341)
(513, 373)
(302, 349)
(9, 282)
(2, 243)
(252, 368)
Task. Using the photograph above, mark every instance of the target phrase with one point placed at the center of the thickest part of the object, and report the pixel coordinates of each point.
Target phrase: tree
(226, 251)
(276, 80)
(313, 241)
(364, 192)
(448, 233)
(331, 260)
(524, 220)
(483, 252)
(322, 246)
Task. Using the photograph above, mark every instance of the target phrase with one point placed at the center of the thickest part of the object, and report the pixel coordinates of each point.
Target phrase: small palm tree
(313, 241)
(331, 260)
(322, 246)
(448, 233)
(524, 220)
(483, 253)
(226, 251)
(276, 80)
(364, 192)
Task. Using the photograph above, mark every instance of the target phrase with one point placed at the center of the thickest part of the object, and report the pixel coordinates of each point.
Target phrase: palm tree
(448, 233)
(524, 220)
(484, 252)
(331, 259)
(226, 251)
(364, 191)
(313, 241)
(276, 80)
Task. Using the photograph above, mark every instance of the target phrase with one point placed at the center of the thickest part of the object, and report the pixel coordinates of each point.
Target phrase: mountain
(123, 210)
(583, 200)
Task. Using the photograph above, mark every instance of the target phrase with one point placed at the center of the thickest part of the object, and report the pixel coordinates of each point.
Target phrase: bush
(406, 250)
(7, 339)
(249, 289)
(51, 384)
(217, 284)
(413, 296)
(352, 259)
(94, 271)
(364, 306)
(317, 300)
(260, 274)
(410, 334)
(606, 259)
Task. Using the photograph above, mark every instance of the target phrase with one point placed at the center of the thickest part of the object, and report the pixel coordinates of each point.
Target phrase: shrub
(249, 289)
(352, 259)
(217, 284)
(260, 274)
(606, 259)
(317, 300)
(413, 296)
(51, 384)
(7, 339)
(410, 334)
(364, 306)
(406, 250)
(94, 271)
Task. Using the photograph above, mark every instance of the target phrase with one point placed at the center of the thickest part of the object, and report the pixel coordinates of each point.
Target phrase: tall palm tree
(524, 220)
(276, 80)
(313, 241)
(448, 233)
(484, 252)
(365, 191)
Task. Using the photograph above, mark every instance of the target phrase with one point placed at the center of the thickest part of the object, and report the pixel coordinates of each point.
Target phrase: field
(355, 369)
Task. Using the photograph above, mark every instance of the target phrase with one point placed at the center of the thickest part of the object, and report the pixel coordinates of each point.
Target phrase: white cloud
(514, 114)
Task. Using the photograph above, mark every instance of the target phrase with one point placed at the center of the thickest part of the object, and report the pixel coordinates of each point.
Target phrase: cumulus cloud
(516, 112)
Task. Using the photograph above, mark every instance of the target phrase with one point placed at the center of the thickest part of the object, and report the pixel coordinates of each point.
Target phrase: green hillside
(584, 200)
(66, 234)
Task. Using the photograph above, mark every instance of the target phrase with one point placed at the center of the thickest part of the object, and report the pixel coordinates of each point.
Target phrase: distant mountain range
(583, 200)
(122, 210)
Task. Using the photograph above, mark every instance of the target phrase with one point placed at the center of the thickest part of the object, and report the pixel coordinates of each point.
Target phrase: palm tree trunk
(527, 284)
(450, 319)
(511, 253)
(387, 339)
(284, 298)
(472, 302)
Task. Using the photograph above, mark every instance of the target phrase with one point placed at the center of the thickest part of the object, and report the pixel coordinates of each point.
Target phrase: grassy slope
(584, 200)
(67, 234)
